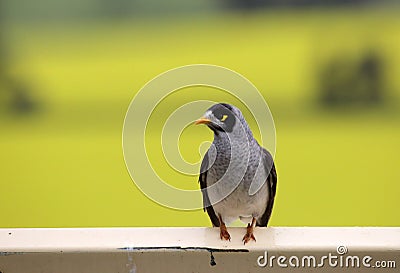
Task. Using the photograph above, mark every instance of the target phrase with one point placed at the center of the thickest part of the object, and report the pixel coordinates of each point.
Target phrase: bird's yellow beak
(202, 121)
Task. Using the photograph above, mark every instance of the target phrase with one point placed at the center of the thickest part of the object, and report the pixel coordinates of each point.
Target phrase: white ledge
(98, 250)
(152, 239)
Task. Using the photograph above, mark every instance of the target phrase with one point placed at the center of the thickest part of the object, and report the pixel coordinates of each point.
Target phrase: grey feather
(203, 185)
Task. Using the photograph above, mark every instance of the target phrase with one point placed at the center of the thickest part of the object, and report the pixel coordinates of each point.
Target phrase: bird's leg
(223, 232)
(249, 234)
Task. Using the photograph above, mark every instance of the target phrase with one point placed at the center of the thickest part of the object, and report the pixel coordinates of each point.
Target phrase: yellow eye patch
(224, 117)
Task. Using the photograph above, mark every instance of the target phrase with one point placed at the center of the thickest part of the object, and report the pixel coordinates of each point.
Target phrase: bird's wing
(272, 180)
(203, 185)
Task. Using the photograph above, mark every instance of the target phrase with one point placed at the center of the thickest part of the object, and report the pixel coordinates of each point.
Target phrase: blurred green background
(69, 69)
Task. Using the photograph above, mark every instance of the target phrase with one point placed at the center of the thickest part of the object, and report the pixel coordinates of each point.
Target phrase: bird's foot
(249, 235)
(224, 234)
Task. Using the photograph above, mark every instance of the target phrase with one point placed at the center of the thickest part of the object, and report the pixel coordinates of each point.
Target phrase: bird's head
(223, 117)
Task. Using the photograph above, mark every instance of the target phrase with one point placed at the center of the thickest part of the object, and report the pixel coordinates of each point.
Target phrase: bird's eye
(224, 117)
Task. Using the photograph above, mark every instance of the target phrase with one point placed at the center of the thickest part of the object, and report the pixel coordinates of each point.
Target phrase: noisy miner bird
(237, 176)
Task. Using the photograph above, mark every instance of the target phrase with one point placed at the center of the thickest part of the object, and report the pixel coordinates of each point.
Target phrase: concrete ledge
(192, 249)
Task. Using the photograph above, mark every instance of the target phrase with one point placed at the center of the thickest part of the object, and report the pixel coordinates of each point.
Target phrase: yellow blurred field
(64, 166)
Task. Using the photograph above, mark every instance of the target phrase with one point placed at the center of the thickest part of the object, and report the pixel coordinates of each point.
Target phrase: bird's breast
(230, 191)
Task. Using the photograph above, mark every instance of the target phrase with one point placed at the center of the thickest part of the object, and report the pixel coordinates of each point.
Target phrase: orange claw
(249, 233)
(247, 237)
(224, 234)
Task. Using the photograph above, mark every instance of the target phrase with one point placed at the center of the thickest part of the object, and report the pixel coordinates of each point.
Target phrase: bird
(237, 177)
